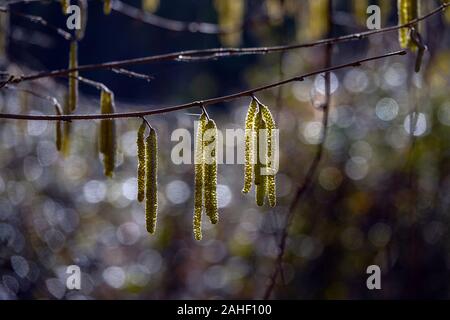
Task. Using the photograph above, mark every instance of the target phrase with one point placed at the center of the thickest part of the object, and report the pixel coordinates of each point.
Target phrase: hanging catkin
(64, 5)
(210, 171)
(67, 129)
(260, 180)
(249, 147)
(107, 137)
(140, 142)
(408, 10)
(58, 128)
(106, 7)
(73, 76)
(151, 187)
(270, 172)
(150, 5)
(359, 10)
(199, 173)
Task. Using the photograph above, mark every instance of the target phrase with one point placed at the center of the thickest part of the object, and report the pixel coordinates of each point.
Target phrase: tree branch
(164, 23)
(204, 103)
(216, 53)
(39, 20)
(304, 187)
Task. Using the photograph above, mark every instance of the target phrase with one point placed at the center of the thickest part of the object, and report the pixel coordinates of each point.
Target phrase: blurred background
(380, 195)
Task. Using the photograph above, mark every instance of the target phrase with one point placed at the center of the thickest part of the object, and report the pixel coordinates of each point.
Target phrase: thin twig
(51, 99)
(132, 74)
(39, 20)
(204, 103)
(307, 182)
(216, 53)
(164, 23)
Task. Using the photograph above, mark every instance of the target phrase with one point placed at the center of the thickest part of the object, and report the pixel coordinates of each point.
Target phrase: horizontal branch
(215, 53)
(164, 23)
(201, 103)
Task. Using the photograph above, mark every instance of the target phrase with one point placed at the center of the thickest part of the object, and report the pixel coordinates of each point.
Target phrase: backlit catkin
(107, 137)
(73, 76)
(151, 184)
(249, 147)
(150, 5)
(140, 142)
(271, 145)
(210, 171)
(66, 130)
(107, 6)
(199, 173)
(408, 10)
(58, 128)
(64, 5)
(260, 180)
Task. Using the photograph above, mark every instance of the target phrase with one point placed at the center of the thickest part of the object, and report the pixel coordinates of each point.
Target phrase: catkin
(199, 173)
(73, 76)
(140, 142)
(270, 174)
(107, 137)
(359, 10)
(407, 10)
(151, 188)
(210, 171)
(249, 148)
(230, 15)
(150, 5)
(260, 180)
(106, 7)
(67, 129)
(58, 128)
(64, 5)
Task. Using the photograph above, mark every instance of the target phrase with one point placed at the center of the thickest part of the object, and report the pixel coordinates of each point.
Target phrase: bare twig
(303, 188)
(39, 20)
(132, 74)
(216, 53)
(51, 99)
(204, 103)
(164, 23)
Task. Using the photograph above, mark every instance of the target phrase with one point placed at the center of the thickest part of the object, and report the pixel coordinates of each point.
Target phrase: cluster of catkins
(259, 167)
(259, 149)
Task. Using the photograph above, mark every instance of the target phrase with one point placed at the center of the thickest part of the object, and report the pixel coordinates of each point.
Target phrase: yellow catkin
(150, 5)
(260, 180)
(67, 129)
(313, 20)
(58, 128)
(270, 178)
(407, 10)
(73, 81)
(140, 142)
(249, 148)
(210, 171)
(106, 7)
(359, 11)
(230, 19)
(199, 174)
(64, 5)
(107, 137)
(151, 188)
